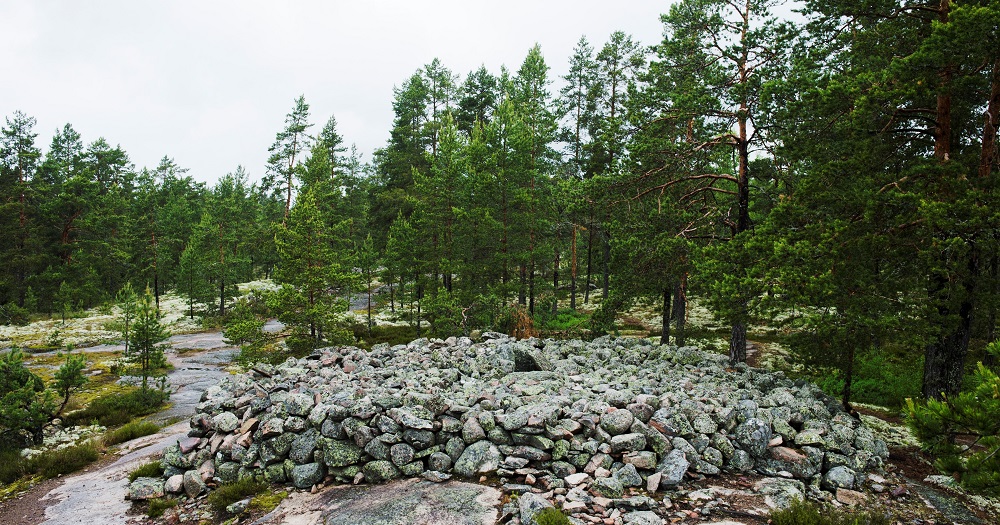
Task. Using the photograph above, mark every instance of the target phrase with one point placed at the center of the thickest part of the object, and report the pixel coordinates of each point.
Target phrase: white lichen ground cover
(94, 326)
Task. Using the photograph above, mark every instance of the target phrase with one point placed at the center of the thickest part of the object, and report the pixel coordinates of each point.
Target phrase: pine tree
(287, 152)
(144, 351)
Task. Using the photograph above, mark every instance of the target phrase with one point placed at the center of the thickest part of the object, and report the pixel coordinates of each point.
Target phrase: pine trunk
(665, 322)
(738, 344)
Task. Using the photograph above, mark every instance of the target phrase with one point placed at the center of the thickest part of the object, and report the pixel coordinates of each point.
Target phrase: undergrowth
(153, 469)
(129, 431)
(230, 493)
(805, 513)
(65, 460)
(159, 505)
(118, 409)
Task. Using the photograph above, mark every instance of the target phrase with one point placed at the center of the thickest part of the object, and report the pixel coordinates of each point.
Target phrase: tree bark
(572, 273)
(680, 310)
(738, 344)
(665, 322)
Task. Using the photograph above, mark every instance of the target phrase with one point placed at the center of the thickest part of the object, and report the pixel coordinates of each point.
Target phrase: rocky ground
(604, 476)
(614, 432)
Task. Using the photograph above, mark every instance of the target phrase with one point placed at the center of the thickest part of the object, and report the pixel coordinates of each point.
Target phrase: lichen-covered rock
(753, 435)
(481, 457)
(532, 410)
(226, 422)
(608, 487)
(193, 484)
(341, 453)
(617, 422)
(672, 468)
(379, 471)
(146, 488)
(305, 476)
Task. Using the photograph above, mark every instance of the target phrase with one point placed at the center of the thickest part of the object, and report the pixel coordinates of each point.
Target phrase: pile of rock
(529, 414)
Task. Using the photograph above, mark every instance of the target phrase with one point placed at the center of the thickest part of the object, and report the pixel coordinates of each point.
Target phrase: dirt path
(95, 496)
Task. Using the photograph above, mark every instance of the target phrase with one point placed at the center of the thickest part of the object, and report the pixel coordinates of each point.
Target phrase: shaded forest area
(836, 173)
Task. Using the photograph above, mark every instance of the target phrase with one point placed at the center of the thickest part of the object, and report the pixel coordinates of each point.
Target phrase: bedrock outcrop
(621, 412)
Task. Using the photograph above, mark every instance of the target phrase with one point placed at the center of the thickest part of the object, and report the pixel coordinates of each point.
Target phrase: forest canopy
(837, 172)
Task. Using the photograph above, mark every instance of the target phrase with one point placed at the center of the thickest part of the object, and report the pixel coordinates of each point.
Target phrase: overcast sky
(209, 82)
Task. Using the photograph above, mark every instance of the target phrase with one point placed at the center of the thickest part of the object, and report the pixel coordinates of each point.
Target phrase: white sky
(209, 82)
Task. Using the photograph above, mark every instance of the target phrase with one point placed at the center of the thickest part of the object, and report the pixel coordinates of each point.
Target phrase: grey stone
(303, 446)
(439, 461)
(193, 484)
(779, 493)
(146, 488)
(617, 422)
(401, 454)
(305, 476)
(226, 422)
(627, 442)
(480, 457)
(608, 487)
(672, 468)
(174, 484)
(839, 477)
(643, 459)
(628, 476)
(529, 505)
(642, 517)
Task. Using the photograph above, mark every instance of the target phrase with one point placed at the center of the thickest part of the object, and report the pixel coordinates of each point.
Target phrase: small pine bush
(118, 409)
(963, 431)
(12, 465)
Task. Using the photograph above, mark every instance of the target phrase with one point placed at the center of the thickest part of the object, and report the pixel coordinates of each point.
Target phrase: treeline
(838, 172)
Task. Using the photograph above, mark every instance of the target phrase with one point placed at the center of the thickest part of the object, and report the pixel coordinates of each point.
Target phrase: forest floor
(911, 494)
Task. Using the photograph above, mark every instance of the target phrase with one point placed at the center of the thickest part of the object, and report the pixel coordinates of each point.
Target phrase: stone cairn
(522, 413)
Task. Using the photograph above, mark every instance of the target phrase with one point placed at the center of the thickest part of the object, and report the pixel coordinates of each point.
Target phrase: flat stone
(851, 497)
(576, 479)
(409, 501)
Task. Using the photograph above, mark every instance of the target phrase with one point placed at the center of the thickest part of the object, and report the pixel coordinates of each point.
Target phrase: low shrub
(130, 431)
(878, 380)
(153, 469)
(118, 409)
(159, 505)
(230, 493)
(65, 460)
(551, 516)
(804, 513)
(12, 465)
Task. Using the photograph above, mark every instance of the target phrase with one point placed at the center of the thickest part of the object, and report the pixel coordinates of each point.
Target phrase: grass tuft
(805, 513)
(65, 460)
(551, 516)
(118, 409)
(159, 505)
(153, 469)
(130, 431)
(230, 493)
